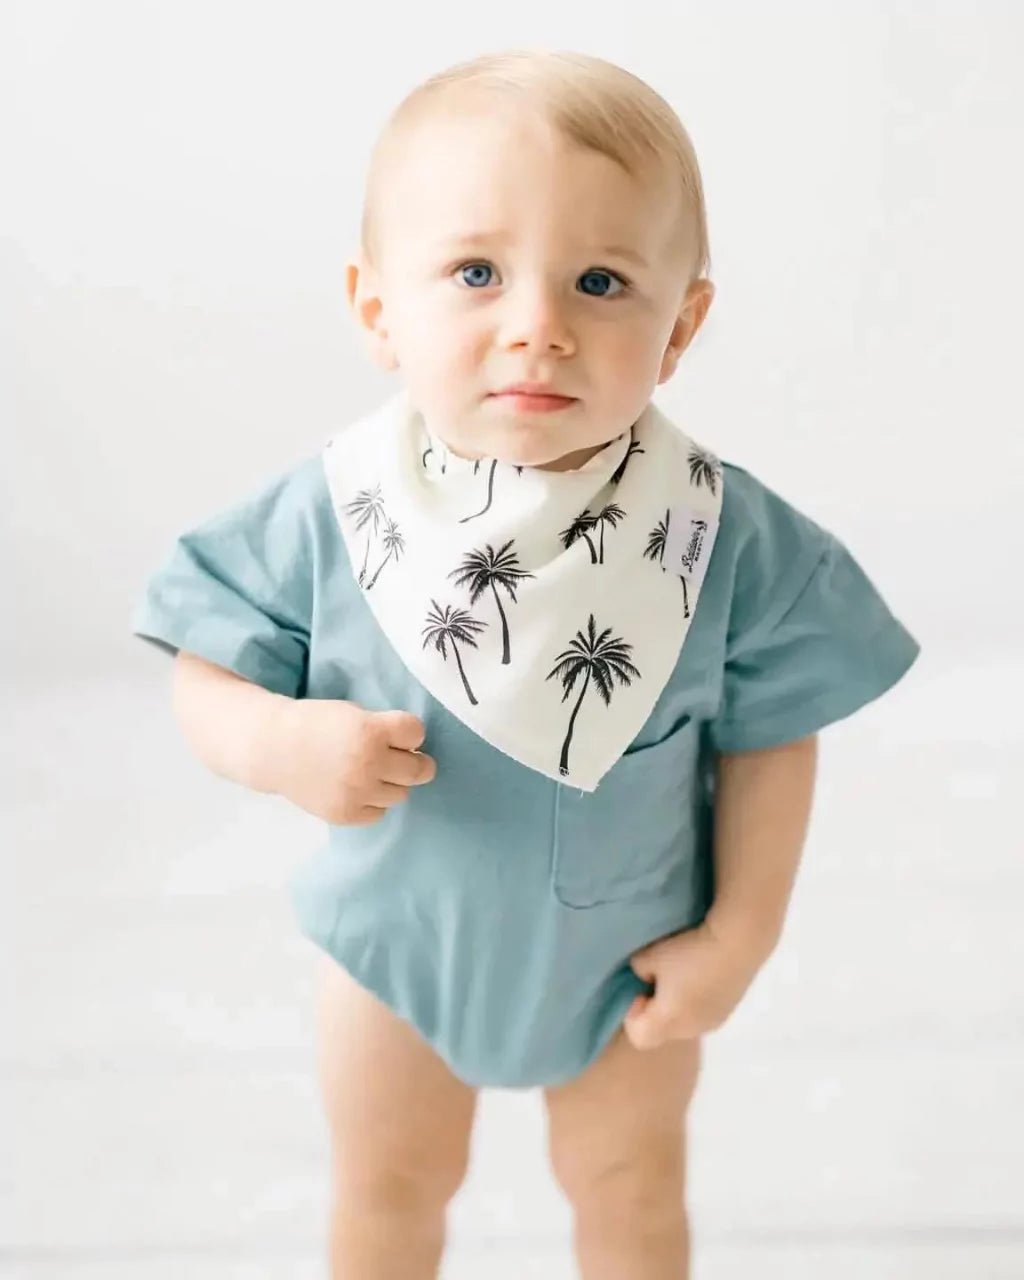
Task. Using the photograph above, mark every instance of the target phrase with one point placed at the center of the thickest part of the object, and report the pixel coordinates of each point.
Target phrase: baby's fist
(347, 765)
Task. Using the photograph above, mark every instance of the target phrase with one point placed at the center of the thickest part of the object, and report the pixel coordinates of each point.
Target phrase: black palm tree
(395, 544)
(368, 507)
(580, 528)
(620, 470)
(490, 491)
(455, 625)
(705, 468)
(494, 569)
(655, 550)
(603, 658)
(426, 454)
(611, 514)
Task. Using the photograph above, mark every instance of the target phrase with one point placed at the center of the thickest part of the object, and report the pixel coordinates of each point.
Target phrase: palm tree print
(426, 454)
(368, 508)
(655, 550)
(620, 470)
(656, 539)
(476, 468)
(490, 490)
(611, 514)
(580, 528)
(705, 468)
(395, 544)
(489, 568)
(455, 625)
(603, 658)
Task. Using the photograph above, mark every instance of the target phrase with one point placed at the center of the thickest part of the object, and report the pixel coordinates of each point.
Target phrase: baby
(548, 669)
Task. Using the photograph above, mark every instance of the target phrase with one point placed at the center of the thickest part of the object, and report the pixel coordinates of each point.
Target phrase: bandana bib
(545, 609)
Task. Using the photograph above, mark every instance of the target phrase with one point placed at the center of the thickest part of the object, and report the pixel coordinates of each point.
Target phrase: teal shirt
(496, 909)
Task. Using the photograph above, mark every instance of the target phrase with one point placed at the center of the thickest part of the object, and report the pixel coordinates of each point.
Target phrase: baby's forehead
(470, 171)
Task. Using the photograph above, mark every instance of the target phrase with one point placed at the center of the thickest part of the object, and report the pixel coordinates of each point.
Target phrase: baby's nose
(542, 327)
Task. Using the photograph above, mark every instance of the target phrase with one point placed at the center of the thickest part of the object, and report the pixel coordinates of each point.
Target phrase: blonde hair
(592, 103)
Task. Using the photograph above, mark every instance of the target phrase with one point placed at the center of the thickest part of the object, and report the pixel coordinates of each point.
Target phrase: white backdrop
(180, 188)
(186, 186)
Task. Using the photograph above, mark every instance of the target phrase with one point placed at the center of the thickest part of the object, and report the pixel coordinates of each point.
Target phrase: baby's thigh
(400, 1121)
(621, 1124)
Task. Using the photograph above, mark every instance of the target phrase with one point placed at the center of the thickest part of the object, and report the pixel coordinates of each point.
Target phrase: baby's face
(509, 256)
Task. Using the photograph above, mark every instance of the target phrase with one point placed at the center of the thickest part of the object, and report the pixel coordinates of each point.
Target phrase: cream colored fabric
(546, 610)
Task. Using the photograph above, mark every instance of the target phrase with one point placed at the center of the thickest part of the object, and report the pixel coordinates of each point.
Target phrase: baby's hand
(346, 765)
(699, 978)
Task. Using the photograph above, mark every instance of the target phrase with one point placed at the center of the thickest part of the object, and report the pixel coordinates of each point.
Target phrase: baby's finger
(366, 816)
(649, 1020)
(643, 1032)
(637, 1007)
(408, 768)
(383, 795)
(402, 729)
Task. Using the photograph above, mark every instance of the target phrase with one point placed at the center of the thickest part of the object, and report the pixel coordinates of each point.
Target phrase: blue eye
(479, 275)
(602, 276)
(474, 266)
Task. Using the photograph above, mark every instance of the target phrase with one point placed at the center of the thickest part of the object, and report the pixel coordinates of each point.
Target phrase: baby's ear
(695, 307)
(362, 289)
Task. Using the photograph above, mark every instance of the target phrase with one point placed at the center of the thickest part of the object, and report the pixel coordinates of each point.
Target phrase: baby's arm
(235, 727)
(762, 810)
(332, 758)
(762, 805)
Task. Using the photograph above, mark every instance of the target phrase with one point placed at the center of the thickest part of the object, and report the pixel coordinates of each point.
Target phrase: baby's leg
(617, 1143)
(400, 1125)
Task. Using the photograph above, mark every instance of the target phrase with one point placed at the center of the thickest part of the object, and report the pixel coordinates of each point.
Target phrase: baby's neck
(572, 461)
(568, 462)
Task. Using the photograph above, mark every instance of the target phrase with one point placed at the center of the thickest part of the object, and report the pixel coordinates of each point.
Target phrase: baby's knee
(398, 1184)
(637, 1188)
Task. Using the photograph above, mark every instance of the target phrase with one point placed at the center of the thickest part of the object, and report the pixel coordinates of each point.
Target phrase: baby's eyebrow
(623, 251)
(476, 239)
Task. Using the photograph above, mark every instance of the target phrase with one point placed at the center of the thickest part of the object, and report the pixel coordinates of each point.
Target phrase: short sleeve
(237, 589)
(824, 644)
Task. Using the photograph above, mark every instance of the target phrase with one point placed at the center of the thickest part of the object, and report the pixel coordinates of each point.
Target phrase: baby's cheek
(634, 357)
(450, 365)
(474, 353)
(433, 373)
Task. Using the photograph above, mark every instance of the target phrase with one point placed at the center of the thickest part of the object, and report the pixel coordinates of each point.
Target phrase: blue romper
(496, 909)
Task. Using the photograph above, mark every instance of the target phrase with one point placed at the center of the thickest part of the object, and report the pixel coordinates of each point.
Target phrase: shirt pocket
(626, 838)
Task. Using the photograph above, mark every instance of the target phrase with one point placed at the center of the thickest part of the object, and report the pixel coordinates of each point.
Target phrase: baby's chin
(540, 456)
(531, 446)
(560, 456)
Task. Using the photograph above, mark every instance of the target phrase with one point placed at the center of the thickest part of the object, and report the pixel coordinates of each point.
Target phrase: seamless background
(182, 188)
